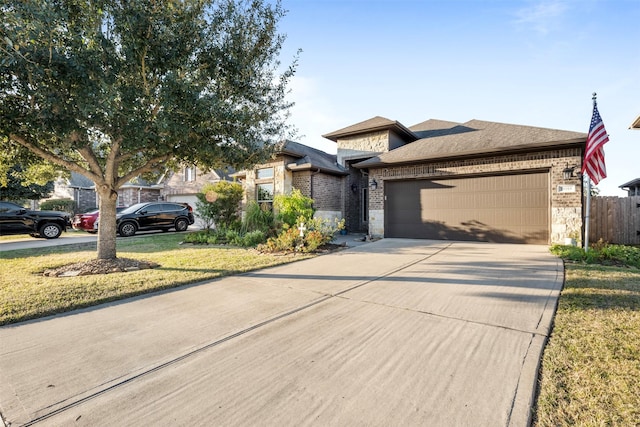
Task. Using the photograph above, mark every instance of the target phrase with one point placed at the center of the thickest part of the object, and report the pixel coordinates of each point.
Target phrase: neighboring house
(138, 190)
(632, 187)
(477, 180)
(77, 188)
(183, 185)
(82, 191)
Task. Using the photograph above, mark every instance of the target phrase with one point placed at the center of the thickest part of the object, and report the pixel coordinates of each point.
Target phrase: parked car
(86, 221)
(153, 216)
(15, 219)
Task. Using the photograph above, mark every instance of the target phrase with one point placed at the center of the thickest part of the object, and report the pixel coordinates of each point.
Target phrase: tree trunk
(107, 225)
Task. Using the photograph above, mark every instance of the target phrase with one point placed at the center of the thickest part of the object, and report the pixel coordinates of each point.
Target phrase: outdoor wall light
(373, 184)
(354, 188)
(567, 173)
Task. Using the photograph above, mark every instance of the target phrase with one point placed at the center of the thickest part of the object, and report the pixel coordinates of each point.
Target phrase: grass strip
(26, 294)
(591, 365)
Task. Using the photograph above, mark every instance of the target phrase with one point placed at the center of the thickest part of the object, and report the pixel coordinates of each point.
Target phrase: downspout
(311, 181)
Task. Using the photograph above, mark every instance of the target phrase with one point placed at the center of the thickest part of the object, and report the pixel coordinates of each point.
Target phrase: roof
(633, 183)
(309, 158)
(373, 125)
(635, 124)
(80, 181)
(442, 140)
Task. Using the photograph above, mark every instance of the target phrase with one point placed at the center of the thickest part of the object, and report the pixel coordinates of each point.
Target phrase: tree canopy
(114, 89)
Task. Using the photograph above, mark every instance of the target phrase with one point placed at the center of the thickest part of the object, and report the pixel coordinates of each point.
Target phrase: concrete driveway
(395, 332)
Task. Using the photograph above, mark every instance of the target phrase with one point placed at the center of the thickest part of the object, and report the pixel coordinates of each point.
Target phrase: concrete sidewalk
(394, 332)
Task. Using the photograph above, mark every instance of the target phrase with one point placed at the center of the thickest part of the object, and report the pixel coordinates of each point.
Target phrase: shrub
(253, 238)
(226, 237)
(218, 204)
(291, 207)
(62, 205)
(256, 218)
(600, 253)
(318, 233)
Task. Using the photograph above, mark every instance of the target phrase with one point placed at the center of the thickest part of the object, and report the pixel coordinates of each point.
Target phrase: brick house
(183, 185)
(477, 180)
(76, 188)
(315, 173)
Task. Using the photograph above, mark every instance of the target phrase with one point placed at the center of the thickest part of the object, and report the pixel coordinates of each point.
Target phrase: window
(266, 173)
(264, 193)
(189, 174)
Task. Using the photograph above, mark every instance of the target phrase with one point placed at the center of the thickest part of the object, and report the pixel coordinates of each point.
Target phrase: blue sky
(524, 62)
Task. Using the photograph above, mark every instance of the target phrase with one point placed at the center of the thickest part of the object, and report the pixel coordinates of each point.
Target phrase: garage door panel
(505, 208)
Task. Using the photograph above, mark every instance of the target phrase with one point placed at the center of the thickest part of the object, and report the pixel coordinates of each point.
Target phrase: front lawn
(591, 366)
(26, 294)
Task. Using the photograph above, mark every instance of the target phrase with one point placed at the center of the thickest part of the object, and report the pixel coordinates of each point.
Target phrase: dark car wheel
(50, 230)
(182, 224)
(127, 229)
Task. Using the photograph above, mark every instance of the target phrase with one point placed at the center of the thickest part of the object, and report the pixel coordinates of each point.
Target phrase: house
(315, 173)
(174, 186)
(138, 190)
(438, 179)
(77, 188)
(632, 187)
(183, 185)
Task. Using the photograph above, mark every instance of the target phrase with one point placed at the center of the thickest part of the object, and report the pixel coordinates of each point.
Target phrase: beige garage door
(505, 208)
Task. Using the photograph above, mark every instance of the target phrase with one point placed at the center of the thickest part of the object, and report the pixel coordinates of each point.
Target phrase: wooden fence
(615, 220)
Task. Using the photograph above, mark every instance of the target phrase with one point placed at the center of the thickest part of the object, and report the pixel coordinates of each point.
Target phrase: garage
(511, 208)
(191, 200)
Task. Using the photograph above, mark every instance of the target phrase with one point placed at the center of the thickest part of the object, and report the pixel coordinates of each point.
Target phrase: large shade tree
(114, 89)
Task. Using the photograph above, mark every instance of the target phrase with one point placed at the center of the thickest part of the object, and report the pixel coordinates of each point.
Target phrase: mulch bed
(100, 266)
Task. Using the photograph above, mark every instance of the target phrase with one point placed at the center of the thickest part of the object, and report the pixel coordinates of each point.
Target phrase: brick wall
(175, 183)
(326, 192)
(131, 196)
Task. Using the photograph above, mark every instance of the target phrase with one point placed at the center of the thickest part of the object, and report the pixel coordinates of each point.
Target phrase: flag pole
(587, 215)
(588, 210)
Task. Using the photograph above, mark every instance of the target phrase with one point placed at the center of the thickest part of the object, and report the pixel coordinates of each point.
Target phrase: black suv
(154, 216)
(15, 219)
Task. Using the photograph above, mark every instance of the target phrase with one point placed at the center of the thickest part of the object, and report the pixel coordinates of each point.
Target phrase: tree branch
(47, 155)
(91, 159)
(151, 165)
(111, 166)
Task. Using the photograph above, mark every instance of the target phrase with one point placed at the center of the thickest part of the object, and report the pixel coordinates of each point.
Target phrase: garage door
(505, 208)
(187, 198)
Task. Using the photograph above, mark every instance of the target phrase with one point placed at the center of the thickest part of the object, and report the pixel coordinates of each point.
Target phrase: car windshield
(132, 208)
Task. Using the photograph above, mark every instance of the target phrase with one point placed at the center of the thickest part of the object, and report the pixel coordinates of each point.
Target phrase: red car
(85, 221)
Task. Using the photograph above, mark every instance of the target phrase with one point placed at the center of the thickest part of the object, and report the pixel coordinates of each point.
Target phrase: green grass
(26, 294)
(590, 372)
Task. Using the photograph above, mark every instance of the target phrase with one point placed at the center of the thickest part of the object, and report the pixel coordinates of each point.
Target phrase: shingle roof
(633, 183)
(309, 158)
(475, 137)
(372, 125)
(80, 181)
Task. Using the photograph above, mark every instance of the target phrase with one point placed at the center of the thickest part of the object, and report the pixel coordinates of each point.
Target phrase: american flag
(593, 164)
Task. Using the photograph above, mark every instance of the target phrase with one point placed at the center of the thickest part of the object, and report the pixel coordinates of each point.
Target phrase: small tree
(218, 204)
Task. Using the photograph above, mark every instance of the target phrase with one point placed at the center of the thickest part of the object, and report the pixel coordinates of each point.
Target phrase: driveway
(394, 332)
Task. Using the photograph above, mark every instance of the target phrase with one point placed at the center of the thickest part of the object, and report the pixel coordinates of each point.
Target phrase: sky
(534, 63)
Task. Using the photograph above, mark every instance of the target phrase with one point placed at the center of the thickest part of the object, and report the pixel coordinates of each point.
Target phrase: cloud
(541, 16)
